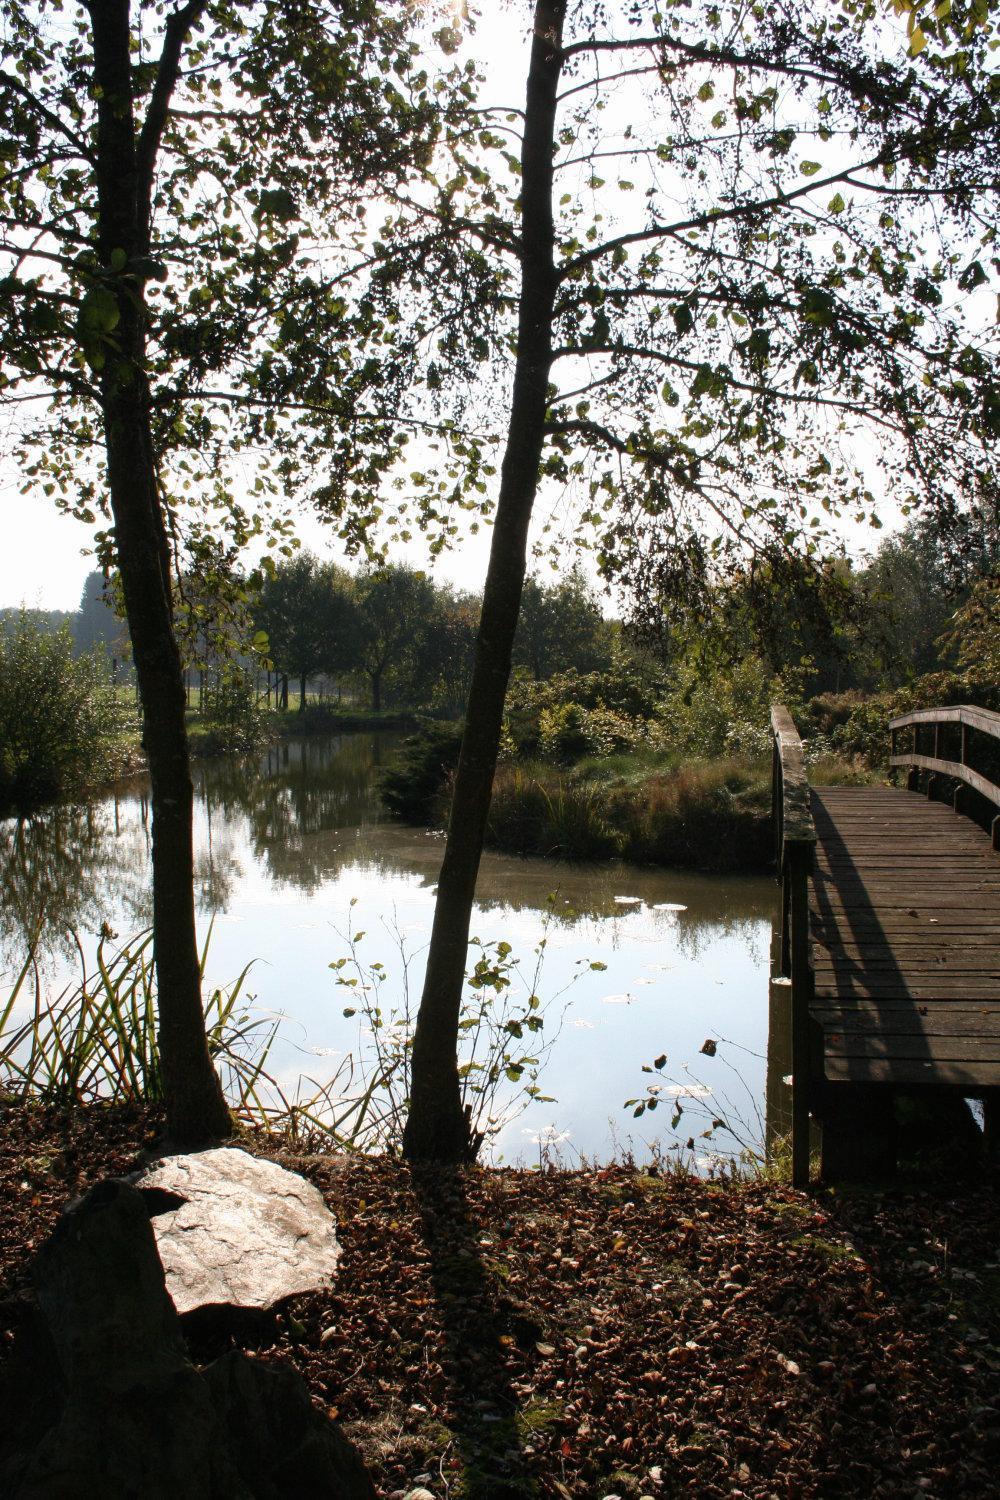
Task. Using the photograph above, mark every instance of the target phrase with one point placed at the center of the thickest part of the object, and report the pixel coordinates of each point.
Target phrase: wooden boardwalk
(904, 905)
(890, 941)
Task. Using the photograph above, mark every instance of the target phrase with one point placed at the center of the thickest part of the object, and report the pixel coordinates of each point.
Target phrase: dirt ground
(498, 1333)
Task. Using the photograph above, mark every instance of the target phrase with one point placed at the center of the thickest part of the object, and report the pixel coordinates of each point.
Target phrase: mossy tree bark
(124, 163)
(436, 1127)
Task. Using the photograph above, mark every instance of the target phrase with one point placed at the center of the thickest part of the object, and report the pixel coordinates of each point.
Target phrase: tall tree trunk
(284, 691)
(436, 1127)
(196, 1109)
(302, 694)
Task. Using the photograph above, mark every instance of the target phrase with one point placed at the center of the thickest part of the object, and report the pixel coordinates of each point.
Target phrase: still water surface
(286, 841)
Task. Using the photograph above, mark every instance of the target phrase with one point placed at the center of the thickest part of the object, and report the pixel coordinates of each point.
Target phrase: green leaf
(683, 318)
(809, 168)
(836, 204)
(278, 203)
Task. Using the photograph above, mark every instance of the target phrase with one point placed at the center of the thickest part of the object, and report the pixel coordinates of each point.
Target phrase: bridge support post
(800, 970)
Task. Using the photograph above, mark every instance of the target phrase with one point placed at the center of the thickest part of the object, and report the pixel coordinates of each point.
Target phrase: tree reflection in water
(300, 814)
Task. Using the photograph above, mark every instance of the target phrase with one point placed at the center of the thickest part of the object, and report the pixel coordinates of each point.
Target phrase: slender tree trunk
(436, 1127)
(302, 694)
(196, 1109)
(284, 691)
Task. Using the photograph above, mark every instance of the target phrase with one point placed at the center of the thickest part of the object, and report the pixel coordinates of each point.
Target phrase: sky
(46, 556)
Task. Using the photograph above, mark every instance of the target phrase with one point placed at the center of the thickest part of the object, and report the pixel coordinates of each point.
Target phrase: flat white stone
(247, 1234)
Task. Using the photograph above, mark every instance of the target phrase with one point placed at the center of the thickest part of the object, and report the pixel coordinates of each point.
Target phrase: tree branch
(7, 80)
(178, 26)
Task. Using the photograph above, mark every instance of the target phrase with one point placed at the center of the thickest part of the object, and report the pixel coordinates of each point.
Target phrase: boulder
(234, 1230)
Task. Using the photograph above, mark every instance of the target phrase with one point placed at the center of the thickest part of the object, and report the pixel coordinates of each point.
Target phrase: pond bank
(511, 1333)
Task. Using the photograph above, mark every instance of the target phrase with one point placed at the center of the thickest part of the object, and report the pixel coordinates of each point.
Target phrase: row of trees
(408, 636)
(714, 244)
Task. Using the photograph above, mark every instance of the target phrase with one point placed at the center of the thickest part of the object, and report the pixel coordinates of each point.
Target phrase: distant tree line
(392, 636)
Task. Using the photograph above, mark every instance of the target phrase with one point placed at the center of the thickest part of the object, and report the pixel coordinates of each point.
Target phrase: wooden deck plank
(909, 1071)
(905, 911)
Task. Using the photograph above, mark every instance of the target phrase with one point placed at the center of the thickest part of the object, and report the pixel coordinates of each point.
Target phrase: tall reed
(97, 1041)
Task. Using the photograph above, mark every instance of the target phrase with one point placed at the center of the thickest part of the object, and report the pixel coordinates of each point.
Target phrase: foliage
(305, 612)
(853, 724)
(568, 731)
(718, 712)
(700, 1112)
(394, 607)
(622, 692)
(502, 1050)
(97, 621)
(97, 1042)
(974, 630)
(98, 1039)
(236, 720)
(61, 722)
(560, 628)
(267, 127)
(411, 787)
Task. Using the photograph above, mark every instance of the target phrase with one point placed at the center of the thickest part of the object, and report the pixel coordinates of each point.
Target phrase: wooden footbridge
(890, 936)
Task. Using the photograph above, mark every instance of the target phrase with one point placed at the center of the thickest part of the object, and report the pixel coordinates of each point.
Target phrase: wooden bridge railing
(943, 721)
(795, 836)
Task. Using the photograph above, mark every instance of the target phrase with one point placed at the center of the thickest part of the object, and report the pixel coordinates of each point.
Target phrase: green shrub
(722, 713)
(620, 692)
(236, 722)
(61, 722)
(853, 725)
(413, 786)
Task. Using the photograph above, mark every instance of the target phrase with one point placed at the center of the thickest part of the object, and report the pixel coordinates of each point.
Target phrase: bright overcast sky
(45, 555)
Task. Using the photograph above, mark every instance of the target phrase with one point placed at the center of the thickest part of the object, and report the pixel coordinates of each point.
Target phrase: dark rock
(282, 1445)
(138, 1419)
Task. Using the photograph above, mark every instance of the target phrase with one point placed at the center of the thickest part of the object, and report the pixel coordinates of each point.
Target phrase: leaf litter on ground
(498, 1333)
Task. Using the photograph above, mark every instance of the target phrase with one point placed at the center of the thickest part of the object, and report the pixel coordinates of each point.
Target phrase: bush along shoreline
(601, 766)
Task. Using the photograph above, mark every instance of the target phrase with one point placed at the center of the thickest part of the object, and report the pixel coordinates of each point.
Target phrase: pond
(293, 859)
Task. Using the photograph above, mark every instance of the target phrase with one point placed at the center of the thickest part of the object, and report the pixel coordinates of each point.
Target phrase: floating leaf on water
(625, 999)
(709, 1046)
(669, 906)
(629, 900)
